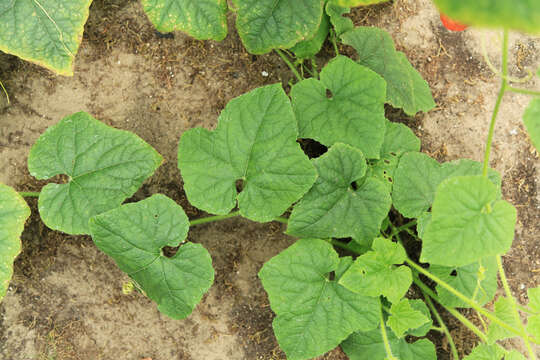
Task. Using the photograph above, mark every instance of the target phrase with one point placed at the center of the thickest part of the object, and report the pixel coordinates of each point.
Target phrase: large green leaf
(202, 19)
(313, 312)
(504, 310)
(310, 47)
(523, 15)
(468, 223)
(134, 235)
(477, 281)
(370, 346)
(405, 87)
(264, 25)
(13, 215)
(531, 118)
(417, 177)
(486, 352)
(404, 317)
(46, 32)
(255, 141)
(105, 166)
(343, 202)
(374, 273)
(354, 112)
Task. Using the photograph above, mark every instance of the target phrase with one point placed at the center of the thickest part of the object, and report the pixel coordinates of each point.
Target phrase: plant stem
(504, 83)
(442, 327)
(5, 92)
(289, 64)
(385, 336)
(281, 220)
(29, 194)
(333, 39)
(397, 230)
(508, 292)
(523, 91)
(343, 246)
(314, 67)
(209, 219)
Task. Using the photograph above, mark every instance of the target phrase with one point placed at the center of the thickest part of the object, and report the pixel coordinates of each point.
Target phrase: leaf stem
(397, 230)
(29, 194)
(289, 64)
(343, 246)
(333, 39)
(314, 67)
(209, 219)
(442, 327)
(523, 91)
(5, 92)
(282, 220)
(384, 335)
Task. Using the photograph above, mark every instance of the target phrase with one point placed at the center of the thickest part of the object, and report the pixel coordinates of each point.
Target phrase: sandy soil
(66, 300)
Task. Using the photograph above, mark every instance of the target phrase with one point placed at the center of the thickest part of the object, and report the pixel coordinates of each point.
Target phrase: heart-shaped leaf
(313, 312)
(202, 19)
(264, 25)
(343, 202)
(422, 330)
(47, 33)
(105, 166)
(255, 142)
(405, 87)
(404, 317)
(353, 111)
(13, 215)
(531, 119)
(134, 236)
(468, 223)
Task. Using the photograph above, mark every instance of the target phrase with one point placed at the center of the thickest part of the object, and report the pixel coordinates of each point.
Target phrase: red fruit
(452, 24)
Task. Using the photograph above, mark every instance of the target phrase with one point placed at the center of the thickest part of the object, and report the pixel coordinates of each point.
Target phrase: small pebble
(513, 132)
(264, 73)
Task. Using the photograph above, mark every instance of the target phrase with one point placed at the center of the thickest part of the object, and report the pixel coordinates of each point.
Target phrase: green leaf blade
(531, 119)
(310, 47)
(504, 310)
(105, 166)
(404, 317)
(486, 352)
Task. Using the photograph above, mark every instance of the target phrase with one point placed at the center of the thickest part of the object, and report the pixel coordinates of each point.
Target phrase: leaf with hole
(346, 105)
(45, 32)
(531, 119)
(202, 19)
(13, 215)
(404, 317)
(406, 88)
(135, 234)
(314, 314)
(374, 273)
(105, 166)
(254, 142)
(343, 202)
(468, 223)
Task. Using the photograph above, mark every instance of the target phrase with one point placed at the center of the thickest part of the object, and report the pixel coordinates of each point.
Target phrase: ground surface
(66, 300)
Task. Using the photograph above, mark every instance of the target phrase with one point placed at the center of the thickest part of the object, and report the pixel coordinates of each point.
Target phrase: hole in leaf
(329, 94)
(331, 275)
(386, 161)
(453, 273)
(155, 216)
(393, 154)
(169, 251)
(312, 148)
(389, 179)
(354, 186)
(239, 185)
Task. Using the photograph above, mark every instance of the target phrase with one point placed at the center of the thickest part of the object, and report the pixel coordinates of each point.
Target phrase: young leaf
(468, 223)
(505, 312)
(422, 330)
(403, 317)
(534, 299)
(477, 280)
(202, 19)
(374, 273)
(340, 23)
(264, 25)
(531, 118)
(405, 87)
(105, 166)
(47, 33)
(370, 346)
(343, 202)
(313, 313)
(354, 112)
(486, 352)
(134, 235)
(255, 141)
(494, 13)
(309, 48)
(13, 215)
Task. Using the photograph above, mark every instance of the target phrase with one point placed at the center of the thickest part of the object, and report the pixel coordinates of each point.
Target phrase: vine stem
(443, 327)
(5, 92)
(209, 219)
(385, 335)
(289, 64)
(523, 91)
(29, 194)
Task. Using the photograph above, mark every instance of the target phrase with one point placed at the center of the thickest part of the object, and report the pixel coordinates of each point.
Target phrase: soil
(66, 301)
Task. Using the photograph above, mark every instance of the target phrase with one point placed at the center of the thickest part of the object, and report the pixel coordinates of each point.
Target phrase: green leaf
(134, 235)
(514, 355)
(405, 87)
(523, 15)
(105, 166)
(486, 352)
(354, 113)
(264, 25)
(534, 299)
(202, 19)
(309, 48)
(468, 223)
(255, 142)
(423, 220)
(403, 317)
(417, 176)
(422, 330)
(13, 215)
(503, 310)
(478, 280)
(370, 346)
(313, 313)
(351, 3)
(340, 23)
(342, 202)
(531, 119)
(533, 327)
(45, 32)
(374, 273)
